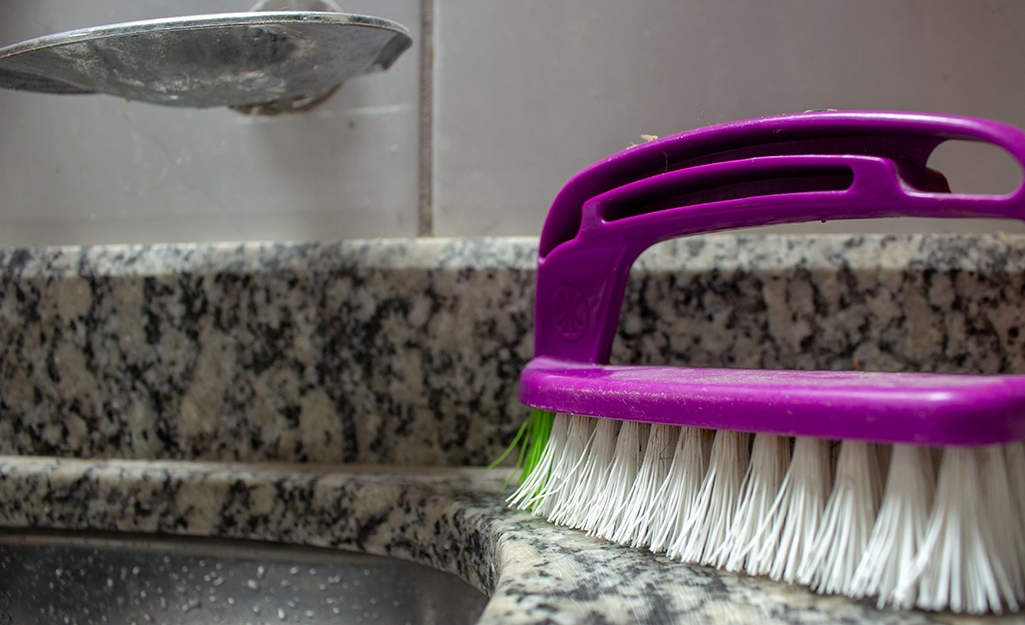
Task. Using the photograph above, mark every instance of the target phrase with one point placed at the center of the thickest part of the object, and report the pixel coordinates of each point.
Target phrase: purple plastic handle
(905, 138)
(581, 279)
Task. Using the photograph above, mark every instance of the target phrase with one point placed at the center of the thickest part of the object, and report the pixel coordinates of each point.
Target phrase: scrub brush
(905, 487)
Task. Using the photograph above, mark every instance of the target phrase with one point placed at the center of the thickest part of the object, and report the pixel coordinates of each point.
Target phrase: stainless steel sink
(77, 578)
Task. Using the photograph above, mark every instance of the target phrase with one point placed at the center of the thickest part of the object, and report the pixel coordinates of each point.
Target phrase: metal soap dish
(255, 62)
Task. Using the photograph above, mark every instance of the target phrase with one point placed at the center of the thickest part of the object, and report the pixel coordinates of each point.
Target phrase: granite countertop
(340, 394)
(452, 519)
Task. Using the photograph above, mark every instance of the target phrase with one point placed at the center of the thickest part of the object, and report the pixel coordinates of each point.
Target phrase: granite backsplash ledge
(408, 351)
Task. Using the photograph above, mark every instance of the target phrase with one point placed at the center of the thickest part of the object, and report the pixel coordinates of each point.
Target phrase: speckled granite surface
(206, 364)
(385, 351)
(451, 519)
(408, 351)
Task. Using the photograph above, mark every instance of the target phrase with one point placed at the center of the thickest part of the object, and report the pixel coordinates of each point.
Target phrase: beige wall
(525, 93)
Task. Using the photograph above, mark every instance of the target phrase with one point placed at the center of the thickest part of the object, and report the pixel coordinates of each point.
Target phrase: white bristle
(625, 466)
(565, 503)
(1016, 474)
(770, 456)
(1015, 453)
(792, 523)
(532, 490)
(953, 567)
(675, 498)
(574, 433)
(594, 475)
(713, 512)
(948, 539)
(899, 528)
(847, 522)
(641, 502)
(1005, 526)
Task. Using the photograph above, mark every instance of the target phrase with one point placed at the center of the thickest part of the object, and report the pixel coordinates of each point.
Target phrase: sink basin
(56, 577)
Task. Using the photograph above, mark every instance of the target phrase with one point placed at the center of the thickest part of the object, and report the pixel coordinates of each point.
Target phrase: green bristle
(540, 430)
(535, 431)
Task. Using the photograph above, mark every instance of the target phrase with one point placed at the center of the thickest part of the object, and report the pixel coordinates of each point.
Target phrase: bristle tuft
(1015, 453)
(954, 568)
(533, 489)
(625, 466)
(712, 516)
(581, 512)
(792, 523)
(1004, 528)
(847, 522)
(899, 528)
(641, 502)
(679, 491)
(569, 439)
(770, 457)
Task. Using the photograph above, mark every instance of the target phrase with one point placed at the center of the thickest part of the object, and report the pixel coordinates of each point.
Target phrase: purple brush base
(918, 408)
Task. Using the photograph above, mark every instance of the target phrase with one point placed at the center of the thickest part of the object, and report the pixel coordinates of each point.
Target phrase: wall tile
(527, 93)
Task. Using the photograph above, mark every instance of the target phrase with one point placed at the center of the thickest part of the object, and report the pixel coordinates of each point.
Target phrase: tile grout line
(425, 204)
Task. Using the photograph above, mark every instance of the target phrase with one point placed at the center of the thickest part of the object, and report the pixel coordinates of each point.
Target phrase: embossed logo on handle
(570, 311)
